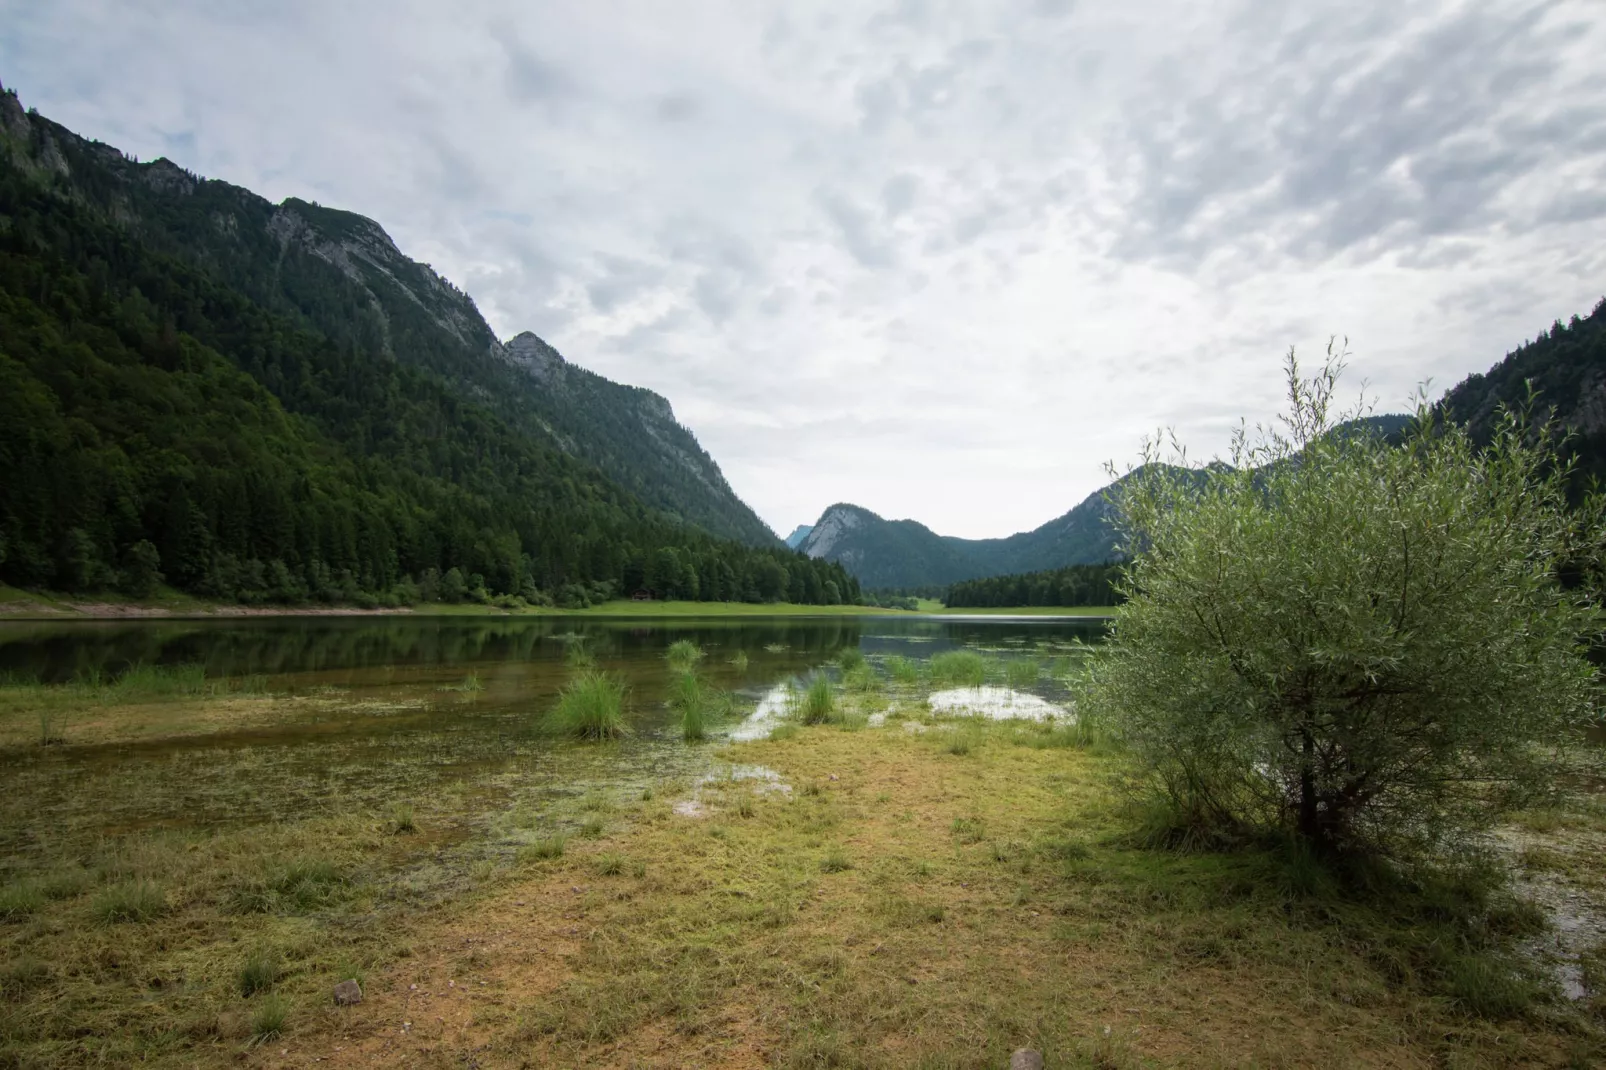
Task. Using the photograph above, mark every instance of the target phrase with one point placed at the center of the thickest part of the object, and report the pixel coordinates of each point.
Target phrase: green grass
(21, 897)
(698, 703)
(541, 850)
(1025, 611)
(591, 707)
(835, 860)
(683, 655)
(401, 819)
(850, 658)
(268, 1019)
(739, 660)
(130, 901)
(259, 973)
(1022, 673)
(471, 682)
(905, 671)
(818, 703)
(957, 668)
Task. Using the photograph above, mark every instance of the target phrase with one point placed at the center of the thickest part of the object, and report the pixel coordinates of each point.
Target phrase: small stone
(347, 993)
(1026, 1059)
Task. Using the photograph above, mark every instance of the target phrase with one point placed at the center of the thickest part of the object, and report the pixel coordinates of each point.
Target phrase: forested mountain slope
(1566, 366)
(247, 420)
(340, 275)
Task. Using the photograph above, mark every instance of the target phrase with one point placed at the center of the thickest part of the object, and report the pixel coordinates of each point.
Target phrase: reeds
(818, 704)
(963, 668)
(590, 707)
(683, 655)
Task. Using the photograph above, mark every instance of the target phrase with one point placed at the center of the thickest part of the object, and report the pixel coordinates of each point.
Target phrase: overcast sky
(940, 260)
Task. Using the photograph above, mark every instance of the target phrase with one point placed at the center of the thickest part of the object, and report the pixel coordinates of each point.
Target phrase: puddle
(764, 781)
(771, 711)
(998, 703)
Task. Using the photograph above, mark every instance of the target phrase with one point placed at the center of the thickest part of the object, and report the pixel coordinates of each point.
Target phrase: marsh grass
(739, 660)
(1022, 673)
(590, 707)
(698, 704)
(850, 658)
(471, 682)
(902, 670)
(818, 702)
(683, 655)
(578, 656)
(957, 668)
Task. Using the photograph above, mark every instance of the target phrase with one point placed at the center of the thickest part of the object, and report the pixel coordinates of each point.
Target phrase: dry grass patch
(988, 901)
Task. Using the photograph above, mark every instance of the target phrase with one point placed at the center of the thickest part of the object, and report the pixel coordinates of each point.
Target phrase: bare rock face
(1026, 1059)
(348, 993)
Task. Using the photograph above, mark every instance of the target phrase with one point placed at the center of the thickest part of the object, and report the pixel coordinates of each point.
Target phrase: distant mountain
(799, 533)
(904, 553)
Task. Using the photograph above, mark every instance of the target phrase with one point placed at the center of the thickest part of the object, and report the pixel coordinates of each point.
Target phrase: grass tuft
(267, 1020)
(590, 707)
(401, 819)
(259, 973)
(683, 655)
(739, 660)
(130, 901)
(903, 670)
(958, 668)
(818, 703)
(835, 860)
(542, 850)
(850, 658)
(20, 898)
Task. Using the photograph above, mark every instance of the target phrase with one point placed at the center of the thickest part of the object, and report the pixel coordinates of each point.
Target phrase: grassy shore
(920, 893)
(36, 605)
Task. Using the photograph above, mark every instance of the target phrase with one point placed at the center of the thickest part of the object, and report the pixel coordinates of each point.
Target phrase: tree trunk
(1309, 817)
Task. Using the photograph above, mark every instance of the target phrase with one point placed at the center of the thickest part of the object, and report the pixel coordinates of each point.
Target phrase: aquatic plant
(850, 658)
(818, 704)
(1022, 673)
(471, 682)
(902, 670)
(963, 668)
(739, 660)
(591, 706)
(683, 655)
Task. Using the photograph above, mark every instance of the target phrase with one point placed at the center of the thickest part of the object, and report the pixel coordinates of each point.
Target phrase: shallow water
(379, 714)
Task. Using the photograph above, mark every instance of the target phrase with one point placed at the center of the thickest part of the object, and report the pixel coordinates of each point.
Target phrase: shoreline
(22, 606)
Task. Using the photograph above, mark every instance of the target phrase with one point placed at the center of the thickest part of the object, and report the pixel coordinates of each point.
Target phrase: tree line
(1073, 585)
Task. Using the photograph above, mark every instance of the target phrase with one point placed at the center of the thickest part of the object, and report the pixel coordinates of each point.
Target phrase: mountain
(1566, 369)
(272, 402)
(904, 553)
(799, 533)
(340, 274)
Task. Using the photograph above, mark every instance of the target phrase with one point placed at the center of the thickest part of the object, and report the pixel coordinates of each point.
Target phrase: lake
(304, 717)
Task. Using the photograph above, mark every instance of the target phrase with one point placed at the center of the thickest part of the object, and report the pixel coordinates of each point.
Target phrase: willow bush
(1362, 643)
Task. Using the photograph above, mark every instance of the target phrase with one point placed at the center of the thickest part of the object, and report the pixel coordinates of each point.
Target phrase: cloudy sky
(942, 260)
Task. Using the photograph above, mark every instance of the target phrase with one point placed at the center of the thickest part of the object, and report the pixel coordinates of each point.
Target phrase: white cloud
(939, 259)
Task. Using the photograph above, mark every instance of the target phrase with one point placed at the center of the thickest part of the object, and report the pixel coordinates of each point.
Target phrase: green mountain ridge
(272, 403)
(340, 274)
